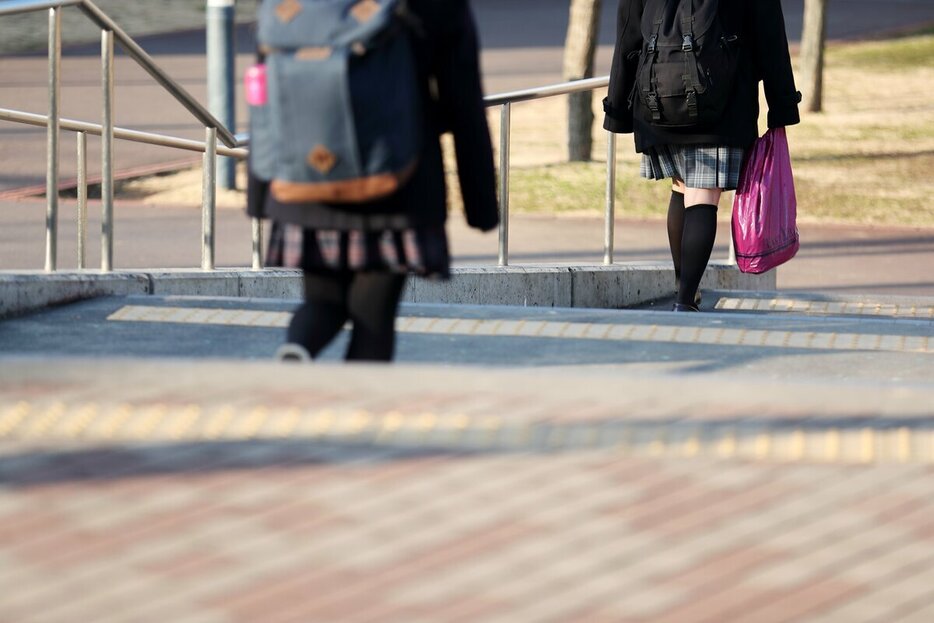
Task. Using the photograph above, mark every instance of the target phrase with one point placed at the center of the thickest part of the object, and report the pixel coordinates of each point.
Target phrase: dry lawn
(866, 159)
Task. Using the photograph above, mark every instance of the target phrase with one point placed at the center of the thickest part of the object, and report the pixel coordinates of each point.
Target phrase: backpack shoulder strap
(651, 95)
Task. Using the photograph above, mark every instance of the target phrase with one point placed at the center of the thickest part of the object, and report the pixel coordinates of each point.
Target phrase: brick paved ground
(135, 492)
(338, 532)
(221, 492)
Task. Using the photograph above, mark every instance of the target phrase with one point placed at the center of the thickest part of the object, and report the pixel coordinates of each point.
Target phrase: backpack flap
(687, 64)
(319, 145)
(343, 99)
(295, 24)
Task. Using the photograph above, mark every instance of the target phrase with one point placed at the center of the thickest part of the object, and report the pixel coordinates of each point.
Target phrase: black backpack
(686, 66)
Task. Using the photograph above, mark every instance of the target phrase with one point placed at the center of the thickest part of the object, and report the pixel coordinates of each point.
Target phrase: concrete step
(557, 285)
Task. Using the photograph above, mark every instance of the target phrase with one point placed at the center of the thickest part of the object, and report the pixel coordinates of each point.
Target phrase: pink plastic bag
(765, 209)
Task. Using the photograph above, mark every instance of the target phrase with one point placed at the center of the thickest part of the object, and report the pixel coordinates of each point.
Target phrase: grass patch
(913, 51)
(580, 187)
(866, 159)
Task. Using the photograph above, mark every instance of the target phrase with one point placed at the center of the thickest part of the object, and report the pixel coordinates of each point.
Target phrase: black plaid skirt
(700, 166)
(421, 251)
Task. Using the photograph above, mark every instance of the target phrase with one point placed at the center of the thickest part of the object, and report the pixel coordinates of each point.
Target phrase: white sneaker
(293, 352)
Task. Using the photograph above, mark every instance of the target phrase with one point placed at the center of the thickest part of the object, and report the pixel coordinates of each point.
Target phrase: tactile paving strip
(551, 329)
(843, 308)
(856, 441)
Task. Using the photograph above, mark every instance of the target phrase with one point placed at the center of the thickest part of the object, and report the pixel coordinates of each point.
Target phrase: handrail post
(82, 198)
(208, 199)
(107, 152)
(52, 135)
(610, 224)
(504, 132)
(221, 60)
(257, 244)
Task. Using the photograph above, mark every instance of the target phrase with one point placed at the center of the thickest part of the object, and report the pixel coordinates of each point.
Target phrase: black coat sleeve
(618, 116)
(456, 68)
(773, 63)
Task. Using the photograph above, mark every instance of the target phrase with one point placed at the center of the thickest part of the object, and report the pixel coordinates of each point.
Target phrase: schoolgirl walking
(684, 80)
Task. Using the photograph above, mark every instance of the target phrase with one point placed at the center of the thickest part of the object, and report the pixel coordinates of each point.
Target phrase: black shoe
(684, 307)
(292, 352)
(697, 295)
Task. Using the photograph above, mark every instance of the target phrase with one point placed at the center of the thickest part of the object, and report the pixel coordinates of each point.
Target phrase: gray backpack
(342, 122)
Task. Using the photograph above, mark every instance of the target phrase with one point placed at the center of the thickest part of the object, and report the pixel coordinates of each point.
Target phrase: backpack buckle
(652, 103)
(687, 43)
(653, 44)
(692, 104)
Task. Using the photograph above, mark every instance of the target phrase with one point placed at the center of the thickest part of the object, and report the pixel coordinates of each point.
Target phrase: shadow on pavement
(31, 469)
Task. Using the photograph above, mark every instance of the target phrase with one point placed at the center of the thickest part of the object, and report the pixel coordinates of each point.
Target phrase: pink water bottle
(254, 83)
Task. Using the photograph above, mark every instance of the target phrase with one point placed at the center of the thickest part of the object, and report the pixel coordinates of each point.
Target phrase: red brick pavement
(142, 515)
(579, 536)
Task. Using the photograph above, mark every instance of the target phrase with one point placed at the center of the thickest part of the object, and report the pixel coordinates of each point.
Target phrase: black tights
(369, 300)
(691, 234)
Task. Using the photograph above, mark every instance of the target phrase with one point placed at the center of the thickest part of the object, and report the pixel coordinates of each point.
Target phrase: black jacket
(447, 53)
(763, 49)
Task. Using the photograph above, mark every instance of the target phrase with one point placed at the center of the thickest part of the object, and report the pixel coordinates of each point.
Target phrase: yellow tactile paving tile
(28, 423)
(201, 315)
(554, 330)
(845, 308)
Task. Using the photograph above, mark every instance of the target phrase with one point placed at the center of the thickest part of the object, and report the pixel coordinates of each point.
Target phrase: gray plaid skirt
(421, 251)
(700, 166)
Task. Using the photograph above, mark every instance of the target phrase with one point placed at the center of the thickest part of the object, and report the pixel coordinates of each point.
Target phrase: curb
(608, 287)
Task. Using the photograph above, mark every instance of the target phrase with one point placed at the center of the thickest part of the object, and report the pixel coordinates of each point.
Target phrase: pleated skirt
(419, 251)
(700, 166)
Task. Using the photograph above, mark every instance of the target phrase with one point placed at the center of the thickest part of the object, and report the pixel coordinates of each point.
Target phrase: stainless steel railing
(214, 132)
(505, 102)
(233, 146)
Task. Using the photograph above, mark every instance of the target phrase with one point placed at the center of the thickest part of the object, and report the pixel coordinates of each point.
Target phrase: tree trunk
(813, 40)
(579, 50)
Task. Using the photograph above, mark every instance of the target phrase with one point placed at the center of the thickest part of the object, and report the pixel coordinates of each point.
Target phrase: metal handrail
(12, 7)
(552, 90)
(505, 102)
(126, 134)
(103, 21)
(214, 131)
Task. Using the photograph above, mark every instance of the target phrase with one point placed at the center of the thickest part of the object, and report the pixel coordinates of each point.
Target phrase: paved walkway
(769, 460)
(346, 531)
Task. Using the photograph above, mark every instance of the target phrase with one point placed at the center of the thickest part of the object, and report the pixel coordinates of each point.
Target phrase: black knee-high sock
(676, 230)
(700, 231)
